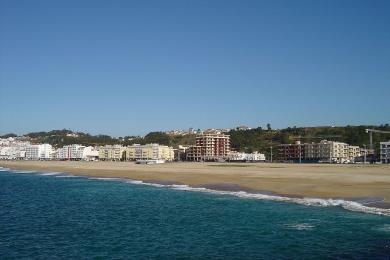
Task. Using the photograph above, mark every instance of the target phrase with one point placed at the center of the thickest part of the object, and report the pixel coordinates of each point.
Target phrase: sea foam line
(50, 173)
(317, 202)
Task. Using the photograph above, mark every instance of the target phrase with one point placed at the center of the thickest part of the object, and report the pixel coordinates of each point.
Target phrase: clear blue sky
(130, 67)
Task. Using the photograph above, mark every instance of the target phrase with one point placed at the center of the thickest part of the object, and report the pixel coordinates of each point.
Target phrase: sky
(129, 67)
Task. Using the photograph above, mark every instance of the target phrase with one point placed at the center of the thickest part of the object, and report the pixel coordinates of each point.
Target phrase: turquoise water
(52, 217)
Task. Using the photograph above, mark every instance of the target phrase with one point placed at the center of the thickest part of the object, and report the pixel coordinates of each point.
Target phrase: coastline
(367, 183)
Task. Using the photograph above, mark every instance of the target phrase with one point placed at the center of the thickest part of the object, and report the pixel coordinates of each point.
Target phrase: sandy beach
(305, 180)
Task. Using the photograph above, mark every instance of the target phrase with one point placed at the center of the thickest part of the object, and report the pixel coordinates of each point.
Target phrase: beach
(350, 182)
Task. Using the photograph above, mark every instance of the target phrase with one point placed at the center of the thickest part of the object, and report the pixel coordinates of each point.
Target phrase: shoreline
(368, 185)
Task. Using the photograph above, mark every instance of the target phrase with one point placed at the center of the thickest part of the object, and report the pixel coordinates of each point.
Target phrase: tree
(269, 127)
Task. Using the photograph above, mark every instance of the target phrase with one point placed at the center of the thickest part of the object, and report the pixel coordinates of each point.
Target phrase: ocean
(60, 216)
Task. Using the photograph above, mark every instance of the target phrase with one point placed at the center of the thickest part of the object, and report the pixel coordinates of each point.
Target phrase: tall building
(149, 152)
(209, 146)
(291, 152)
(70, 152)
(385, 152)
(38, 152)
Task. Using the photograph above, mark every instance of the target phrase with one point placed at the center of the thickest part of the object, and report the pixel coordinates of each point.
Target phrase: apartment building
(323, 151)
(291, 152)
(70, 152)
(194, 153)
(385, 152)
(38, 152)
(149, 152)
(209, 146)
(111, 152)
(353, 152)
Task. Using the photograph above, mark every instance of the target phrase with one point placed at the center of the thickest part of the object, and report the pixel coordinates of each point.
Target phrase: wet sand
(295, 180)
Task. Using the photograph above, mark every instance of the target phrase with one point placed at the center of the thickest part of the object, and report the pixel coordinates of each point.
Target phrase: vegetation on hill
(162, 138)
(8, 135)
(261, 140)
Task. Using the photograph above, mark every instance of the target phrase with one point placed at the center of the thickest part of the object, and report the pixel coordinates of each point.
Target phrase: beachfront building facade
(209, 146)
(149, 152)
(324, 151)
(246, 157)
(38, 152)
(385, 152)
(13, 148)
(353, 152)
(290, 152)
(111, 152)
(89, 153)
(194, 153)
(70, 152)
(180, 153)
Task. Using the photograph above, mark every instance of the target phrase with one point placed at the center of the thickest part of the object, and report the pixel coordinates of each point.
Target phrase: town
(209, 145)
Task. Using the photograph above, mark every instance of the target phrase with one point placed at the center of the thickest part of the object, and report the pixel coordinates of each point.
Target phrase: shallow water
(51, 216)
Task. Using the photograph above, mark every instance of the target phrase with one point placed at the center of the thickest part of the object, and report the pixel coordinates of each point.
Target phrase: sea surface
(60, 216)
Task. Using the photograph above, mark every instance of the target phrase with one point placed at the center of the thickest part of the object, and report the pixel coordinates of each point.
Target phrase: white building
(39, 152)
(12, 148)
(385, 152)
(8, 153)
(246, 157)
(70, 152)
(89, 153)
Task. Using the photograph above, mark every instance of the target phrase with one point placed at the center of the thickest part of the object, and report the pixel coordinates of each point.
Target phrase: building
(331, 151)
(89, 153)
(180, 153)
(70, 152)
(149, 152)
(38, 152)
(385, 152)
(12, 149)
(353, 152)
(194, 153)
(324, 151)
(211, 145)
(111, 152)
(246, 157)
(291, 152)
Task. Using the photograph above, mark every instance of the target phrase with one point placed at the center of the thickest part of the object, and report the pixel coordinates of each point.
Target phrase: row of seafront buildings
(209, 146)
(324, 151)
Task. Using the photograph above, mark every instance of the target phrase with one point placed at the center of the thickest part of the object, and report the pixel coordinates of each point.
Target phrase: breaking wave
(317, 202)
(50, 173)
(299, 226)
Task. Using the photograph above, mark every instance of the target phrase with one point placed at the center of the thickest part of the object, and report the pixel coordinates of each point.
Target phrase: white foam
(67, 176)
(2, 169)
(50, 173)
(104, 178)
(317, 202)
(14, 171)
(299, 226)
(348, 205)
